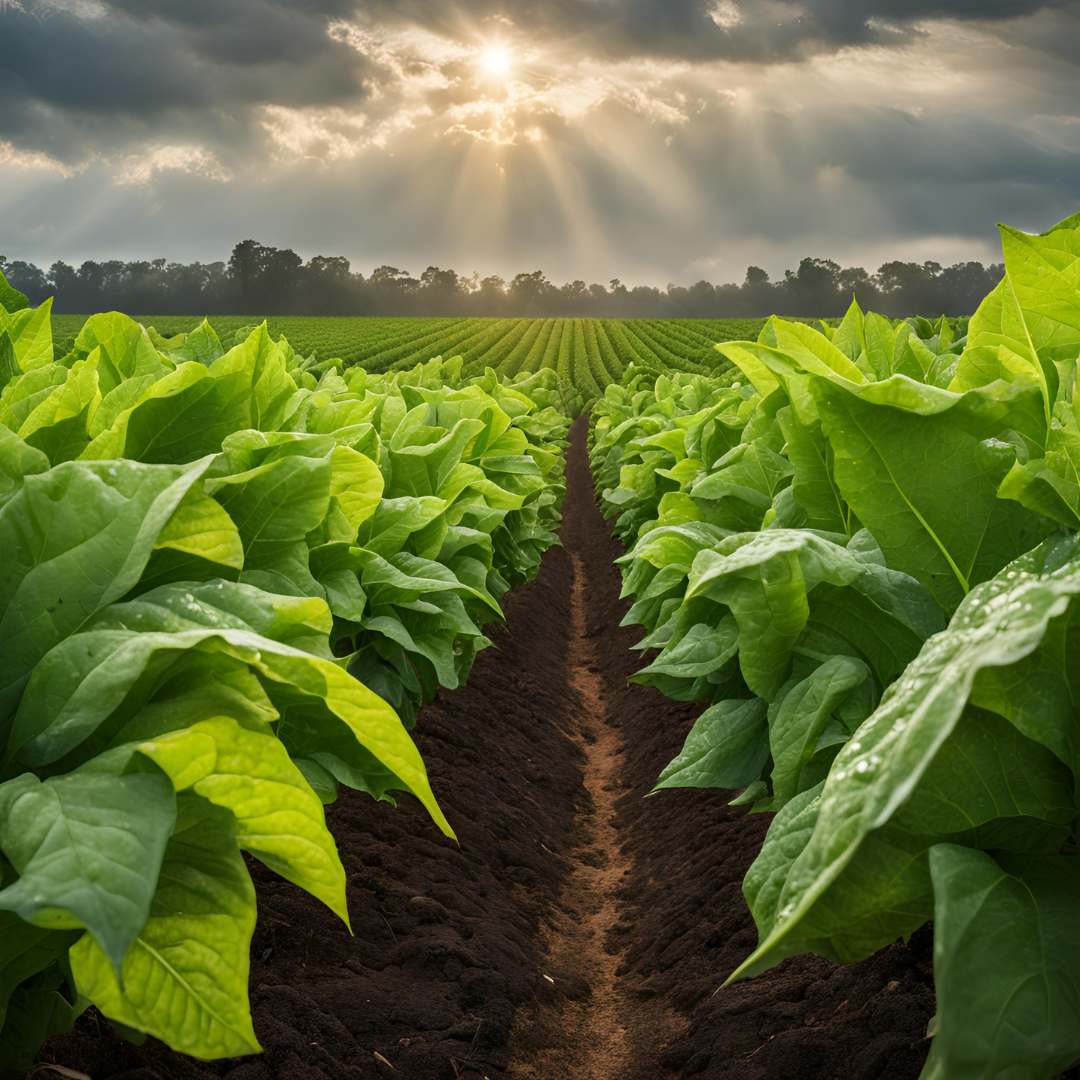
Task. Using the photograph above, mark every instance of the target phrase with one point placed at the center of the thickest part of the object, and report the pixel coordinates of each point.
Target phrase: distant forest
(261, 280)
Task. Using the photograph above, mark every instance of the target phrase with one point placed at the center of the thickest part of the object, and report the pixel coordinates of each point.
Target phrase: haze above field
(653, 141)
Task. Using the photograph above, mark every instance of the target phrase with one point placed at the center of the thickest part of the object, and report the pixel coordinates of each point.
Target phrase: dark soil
(444, 951)
(685, 925)
(632, 906)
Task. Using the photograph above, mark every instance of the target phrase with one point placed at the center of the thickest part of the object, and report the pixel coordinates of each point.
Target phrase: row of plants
(231, 577)
(587, 354)
(859, 548)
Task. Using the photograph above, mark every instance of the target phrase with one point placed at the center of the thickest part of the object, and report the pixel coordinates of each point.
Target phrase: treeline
(261, 280)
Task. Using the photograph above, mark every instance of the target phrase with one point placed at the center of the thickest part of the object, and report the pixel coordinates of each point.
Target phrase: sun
(495, 60)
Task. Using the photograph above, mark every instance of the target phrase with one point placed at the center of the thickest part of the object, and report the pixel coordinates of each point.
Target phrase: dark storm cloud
(74, 85)
(749, 31)
(774, 30)
(68, 82)
(243, 31)
(265, 123)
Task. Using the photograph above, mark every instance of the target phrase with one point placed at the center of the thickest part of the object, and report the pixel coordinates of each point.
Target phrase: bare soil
(581, 930)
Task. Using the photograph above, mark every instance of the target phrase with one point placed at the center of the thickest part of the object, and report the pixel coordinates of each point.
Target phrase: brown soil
(586, 1024)
(631, 907)
(684, 925)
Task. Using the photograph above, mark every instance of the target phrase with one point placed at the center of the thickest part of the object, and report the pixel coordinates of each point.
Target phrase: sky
(654, 141)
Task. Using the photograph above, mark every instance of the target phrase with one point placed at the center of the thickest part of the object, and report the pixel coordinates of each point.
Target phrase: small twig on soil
(381, 1058)
(472, 1047)
(472, 1050)
(388, 926)
(761, 1047)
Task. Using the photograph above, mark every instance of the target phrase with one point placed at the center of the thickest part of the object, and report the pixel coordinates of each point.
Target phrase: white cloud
(148, 163)
(32, 160)
(43, 9)
(726, 14)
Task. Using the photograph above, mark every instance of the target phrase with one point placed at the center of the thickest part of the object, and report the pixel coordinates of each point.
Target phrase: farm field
(271, 803)
(589, 353)
(584, 585)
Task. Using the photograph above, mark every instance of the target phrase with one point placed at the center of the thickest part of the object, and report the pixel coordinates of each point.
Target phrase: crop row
(589, 354)
(863, 555)
(231, 577)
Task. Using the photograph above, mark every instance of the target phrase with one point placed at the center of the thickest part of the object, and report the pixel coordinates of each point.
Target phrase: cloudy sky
(651, 140)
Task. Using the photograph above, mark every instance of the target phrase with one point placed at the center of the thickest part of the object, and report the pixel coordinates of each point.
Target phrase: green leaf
(9, 366)
(26, 950)
(88, 848)
(926, 487)
(275, 504)
(1050, 485)
(356, 483)
(920, 768)
(201, 344)
(80, 684)
(34, 1016)
(279, 818)
(800, 720)
(17, 461)
(769, 581)
(185, 979)
(33, 341)
(1006, 965)
(11, 298)
(77, 538)
(201, 528)
(184, 415)
(726, 748)
(59, 424)
(123, 347)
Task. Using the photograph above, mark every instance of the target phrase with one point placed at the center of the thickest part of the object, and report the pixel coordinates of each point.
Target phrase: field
(772, 773)
(590, 353)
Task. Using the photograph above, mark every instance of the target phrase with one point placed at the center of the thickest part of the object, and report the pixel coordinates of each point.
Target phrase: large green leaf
(185, 979)
(356, 483)
(26, 950)
(768, 579)
(17, 461)
(800, 720)
(919, 465)
(123, 348)
(88, 848)
(182, 416)
(1006, 965)
(898, 784)
(813, 484)
(36, 1012)
(88, 678)
(282, 495)
(31, 337)
(926, 487)
(279, 819)
(726, 748)
(10, 297)
(77, 538)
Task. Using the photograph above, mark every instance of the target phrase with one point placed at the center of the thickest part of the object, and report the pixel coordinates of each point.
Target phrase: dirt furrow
(582, 1024)
(580, 930)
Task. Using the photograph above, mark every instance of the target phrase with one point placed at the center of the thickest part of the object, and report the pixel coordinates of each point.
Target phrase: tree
(245, 268)
(263, 280)
(531, 293)
(27, 278)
